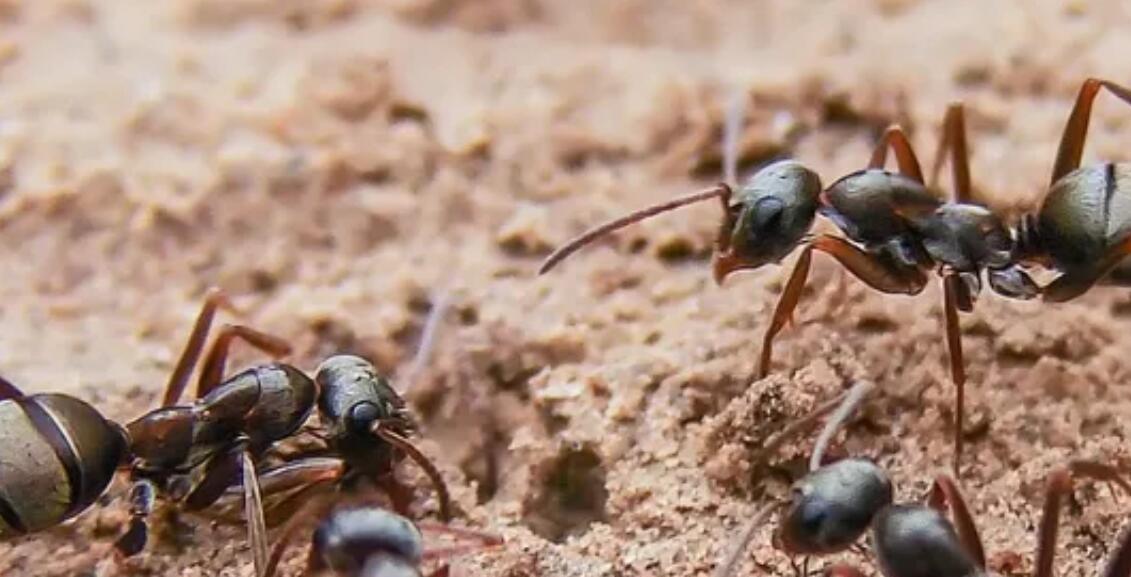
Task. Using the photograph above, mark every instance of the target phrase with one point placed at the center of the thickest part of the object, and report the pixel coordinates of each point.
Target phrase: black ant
(831, 508)
(365, 425)
(192, 453)
(60, 454)
(366, 541)
(898, 230)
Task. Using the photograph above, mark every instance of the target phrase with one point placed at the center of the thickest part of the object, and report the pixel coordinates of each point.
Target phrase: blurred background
(339, 165)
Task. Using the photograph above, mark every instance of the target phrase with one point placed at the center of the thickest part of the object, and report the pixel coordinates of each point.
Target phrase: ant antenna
(732, 127)
(731, 560)
(440, 306)
(721, 191)
(848, 405)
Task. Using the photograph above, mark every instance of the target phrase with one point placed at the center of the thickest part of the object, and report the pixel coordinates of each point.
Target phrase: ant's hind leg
(212, 372)
(895, 138)
(1071, 148)
(954, 140)
(214, 299)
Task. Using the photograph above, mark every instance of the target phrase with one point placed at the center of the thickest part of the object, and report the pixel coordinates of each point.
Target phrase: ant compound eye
(765, 218)
(812, 517)
(362, 416)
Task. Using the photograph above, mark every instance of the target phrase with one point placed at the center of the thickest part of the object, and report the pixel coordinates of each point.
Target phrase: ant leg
(1060, 482)
(895, 138)
(1071, 148)
(9, 391)
(311, 509)
(842, 570)
(1072, 284)
(951, 287)
(212, 372)
(1119, 564)
(214, 299)
(954, 139)
(143, 495)
(220, 473)
(944, 492)
(424, 462)
(484, 539)
(882, 275)
(297, 481)
(253, 513)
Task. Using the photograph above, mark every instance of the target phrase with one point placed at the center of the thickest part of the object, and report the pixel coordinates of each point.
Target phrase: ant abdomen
(918, 541)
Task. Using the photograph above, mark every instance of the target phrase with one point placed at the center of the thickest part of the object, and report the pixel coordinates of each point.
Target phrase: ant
(60, 454)
(832, 506)
(365, 425)
(898, 230)
(366, 541)
(192, 453)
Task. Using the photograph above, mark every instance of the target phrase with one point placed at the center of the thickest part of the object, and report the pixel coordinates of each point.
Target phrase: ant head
(767, 218)
(383, 543)
(833, 506)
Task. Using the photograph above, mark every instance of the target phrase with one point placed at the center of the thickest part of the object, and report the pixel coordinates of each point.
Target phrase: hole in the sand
(571, 497)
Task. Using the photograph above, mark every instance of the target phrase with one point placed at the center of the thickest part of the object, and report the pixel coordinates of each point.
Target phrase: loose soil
(342, 165)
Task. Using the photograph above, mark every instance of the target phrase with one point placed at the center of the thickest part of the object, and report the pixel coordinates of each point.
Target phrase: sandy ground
(338, 164)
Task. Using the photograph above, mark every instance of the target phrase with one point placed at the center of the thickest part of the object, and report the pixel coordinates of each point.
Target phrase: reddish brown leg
(1060, 483)
(1070, 285)
(214, 299)
(895, 138)
(843, 570)
(951, 286)
(944, 493)
(879, 274)
(212, 372)
(954, 139)
(312, 509)
(424, 462)
(1076, 130)
(480, 541)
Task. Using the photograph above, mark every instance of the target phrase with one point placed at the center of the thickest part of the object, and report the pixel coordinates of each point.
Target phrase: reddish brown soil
(337, 164)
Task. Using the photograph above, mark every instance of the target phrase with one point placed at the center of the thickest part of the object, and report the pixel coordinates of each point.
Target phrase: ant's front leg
(1059, 484)
(877, 272)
